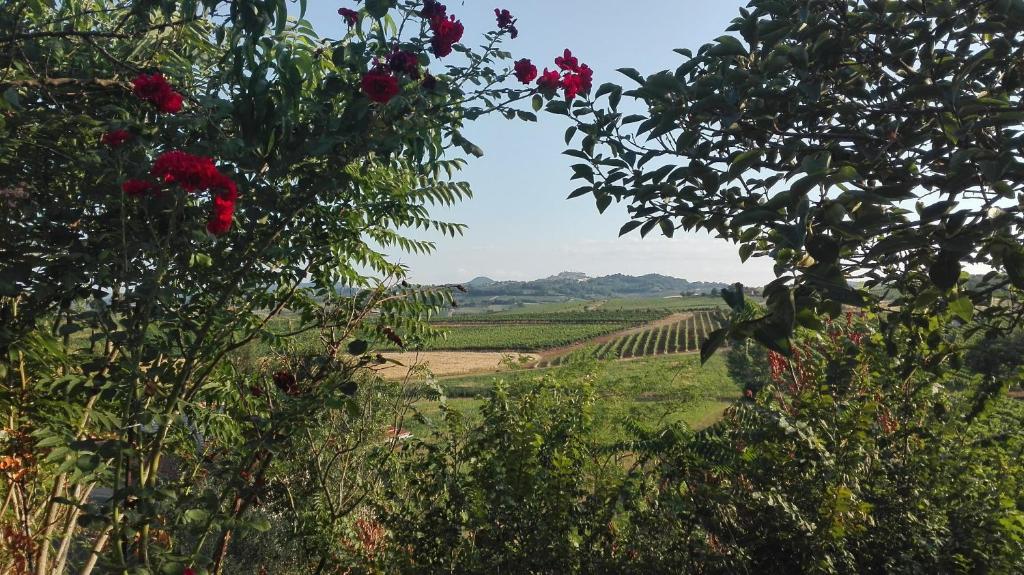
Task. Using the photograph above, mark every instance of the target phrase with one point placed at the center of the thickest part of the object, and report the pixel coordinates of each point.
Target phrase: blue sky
(520, 224)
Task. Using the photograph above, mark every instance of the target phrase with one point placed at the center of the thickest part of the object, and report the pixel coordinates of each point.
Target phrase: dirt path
(449, 363)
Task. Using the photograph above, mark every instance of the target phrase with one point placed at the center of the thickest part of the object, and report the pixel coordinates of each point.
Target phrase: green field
(520, 337)
(650, 392)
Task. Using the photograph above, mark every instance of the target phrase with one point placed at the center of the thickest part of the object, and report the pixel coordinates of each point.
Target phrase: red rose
(549, 81)
(405, 62)
(506, 22)
(432, 9)
(526, 72)
(223, 205)
(571, 85)
(578, 83)
(446, 34)
(171, 104)
(351, 16)
(586, 78)
(223, 214)
(567, 61)
(116, 138)
(136, 188)
(154, 89)
(380, 86)
(286, 382)
(190, 172)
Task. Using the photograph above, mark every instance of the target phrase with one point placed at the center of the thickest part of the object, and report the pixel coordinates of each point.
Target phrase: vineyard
(518, 336)
(685, 335)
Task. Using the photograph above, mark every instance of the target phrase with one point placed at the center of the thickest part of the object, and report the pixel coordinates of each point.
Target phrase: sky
(520, 225)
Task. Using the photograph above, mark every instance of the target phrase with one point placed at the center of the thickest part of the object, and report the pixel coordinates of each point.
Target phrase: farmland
(682, 335)
(519, 337)
(651, 392)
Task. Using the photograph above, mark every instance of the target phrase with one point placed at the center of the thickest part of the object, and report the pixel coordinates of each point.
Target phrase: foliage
(875, 140)
(173, 176)
(858, 476)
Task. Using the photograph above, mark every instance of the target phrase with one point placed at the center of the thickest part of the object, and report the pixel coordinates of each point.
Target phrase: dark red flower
(136, 188)
(571, 86)
(380, 85)
(405, 62)
(432, 9)
(171, 104)
(190, 172)
(549, 81)
(526, 72)
(116, 138)
(586, 78)
(505, 18)
(222, 216)
(567, 61)
(351, 16)
(188, 571)
(506, 22)
(286, 383)
(578, 83)
(154, 89)
(447, 32)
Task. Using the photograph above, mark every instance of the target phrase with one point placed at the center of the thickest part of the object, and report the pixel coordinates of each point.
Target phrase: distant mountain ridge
(580, 285)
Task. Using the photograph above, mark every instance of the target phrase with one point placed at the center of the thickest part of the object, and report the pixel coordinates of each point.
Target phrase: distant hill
(480, 282)
(577, 285)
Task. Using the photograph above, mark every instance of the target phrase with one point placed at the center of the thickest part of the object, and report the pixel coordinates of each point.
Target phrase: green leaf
(727, 46)
(710, 345)
(744, 161)
(632, 74)
(358, 347)
(945, 270)
(963, 308)
(379, 8)
(538, 102)
(628, 227)
(746, 250)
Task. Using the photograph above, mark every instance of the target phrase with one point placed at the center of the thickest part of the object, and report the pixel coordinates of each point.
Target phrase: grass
(649, 392)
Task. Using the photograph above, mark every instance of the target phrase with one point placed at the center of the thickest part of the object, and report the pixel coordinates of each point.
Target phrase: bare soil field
(444, 363)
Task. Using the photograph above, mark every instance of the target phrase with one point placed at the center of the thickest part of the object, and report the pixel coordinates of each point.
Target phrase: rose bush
(187, 187)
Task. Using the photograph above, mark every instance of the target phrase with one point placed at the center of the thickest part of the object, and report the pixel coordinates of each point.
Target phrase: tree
(850, 141)
(176, 178)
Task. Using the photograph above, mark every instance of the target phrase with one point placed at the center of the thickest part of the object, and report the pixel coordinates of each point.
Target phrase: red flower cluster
(223, 211)
(447, 30)
(402, 61)
(549, 81)
(446, 33)
(116, 138)
(136, 188)
(506, 22)
(192, 173)
(154, 89)
(572, 77)
(380, 85)
(287, 383)
(351, 16)
(526, 72)
(578, 78)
